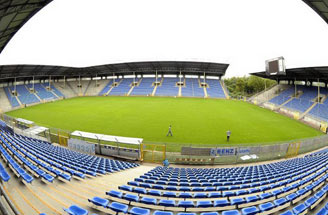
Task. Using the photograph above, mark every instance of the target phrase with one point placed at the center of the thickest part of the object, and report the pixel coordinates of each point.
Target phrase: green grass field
(194, 121)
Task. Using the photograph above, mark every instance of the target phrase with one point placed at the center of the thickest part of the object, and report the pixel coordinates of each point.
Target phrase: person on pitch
(228, 135)
(170, 131)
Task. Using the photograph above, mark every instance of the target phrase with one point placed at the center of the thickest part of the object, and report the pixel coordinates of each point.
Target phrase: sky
(241, 33)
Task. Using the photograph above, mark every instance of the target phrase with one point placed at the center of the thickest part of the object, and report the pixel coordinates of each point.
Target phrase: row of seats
(205, 205)
(167, 88)
(295, 186)
(46, 161)
(27, 97)
(304, 101)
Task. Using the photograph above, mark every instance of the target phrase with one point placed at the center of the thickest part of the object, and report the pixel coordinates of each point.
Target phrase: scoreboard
(275, 66)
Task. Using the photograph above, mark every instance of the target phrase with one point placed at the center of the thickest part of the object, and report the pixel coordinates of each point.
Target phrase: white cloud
(241, 33)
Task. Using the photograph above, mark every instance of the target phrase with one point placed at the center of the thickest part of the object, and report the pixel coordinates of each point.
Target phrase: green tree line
(247, 86)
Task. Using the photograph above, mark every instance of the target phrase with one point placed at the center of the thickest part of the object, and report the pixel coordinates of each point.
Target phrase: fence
(243, 153)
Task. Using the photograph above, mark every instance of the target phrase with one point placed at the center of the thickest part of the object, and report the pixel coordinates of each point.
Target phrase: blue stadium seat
(167, 203)
(266, 206)
(221, 203)
(154, 192)
(186, 204)
(184, 213)
(114, 193)
(210, 213)
(76, 210)
(252, 199)
(126, 188)
(185, 195)
(279, 202)
(118, 207)
(131, 198)
(287, 213)
(163, 213)
(139, 211)
(231, 212)
(237, 201)
(148, 201)
(299, 208)
(214, 195)
(169, 194)
(140, 190)
(204, 204)
(200, 195)
(322, 211)
(99, 201)
(250, 210)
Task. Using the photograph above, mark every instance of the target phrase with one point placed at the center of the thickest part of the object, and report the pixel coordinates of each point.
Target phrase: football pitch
(194, 121)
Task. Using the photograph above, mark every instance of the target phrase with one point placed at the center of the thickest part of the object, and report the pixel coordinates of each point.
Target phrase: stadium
(160, 137)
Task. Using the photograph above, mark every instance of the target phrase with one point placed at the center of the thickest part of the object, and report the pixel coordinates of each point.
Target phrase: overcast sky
(243, 33)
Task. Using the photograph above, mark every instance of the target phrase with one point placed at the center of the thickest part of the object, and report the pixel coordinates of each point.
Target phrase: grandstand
(41, 174)
(65, 85)
(299, 94)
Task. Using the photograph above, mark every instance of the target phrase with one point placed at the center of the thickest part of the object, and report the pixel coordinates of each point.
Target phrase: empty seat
(163, 213)
(169, 194)
(131, 197)
(76, 210)
(287, 213)
(214, 195)
(115, 193)
(186, 204)
(139, 211)
(99, 201)
(185, 195)
(181, 213)
(210, 213)
(140, 190)
(118, 207)
(167, 203)
(200, 195)
(299, 208)
(204, 204)
(279, 202)
(266, 206)
(250, 210)
(231, 212)
(126, 188)
(154, 192)
(221, 203)
(237, 201)
(148, 201)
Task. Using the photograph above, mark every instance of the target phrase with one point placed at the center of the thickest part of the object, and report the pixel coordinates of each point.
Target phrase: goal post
(323, 127)
(153, 153)
(293, 149)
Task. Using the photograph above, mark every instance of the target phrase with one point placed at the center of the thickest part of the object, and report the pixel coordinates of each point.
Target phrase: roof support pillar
(318, 91)
(156, 76)
(295, 88)
(180, 76)
(15, 85)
